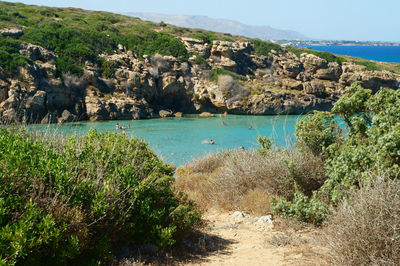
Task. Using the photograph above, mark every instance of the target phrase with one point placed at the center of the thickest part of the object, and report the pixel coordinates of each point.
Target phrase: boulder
(66, 116)
(312, 62)
(315, 87)
(49, 118)
(333, 72)
(178, 114)
(4, 86)
(11, 32)
(165, 113)
(206, 114)
(36, 52)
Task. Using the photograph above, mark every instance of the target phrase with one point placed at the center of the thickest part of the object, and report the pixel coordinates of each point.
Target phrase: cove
(180, 140)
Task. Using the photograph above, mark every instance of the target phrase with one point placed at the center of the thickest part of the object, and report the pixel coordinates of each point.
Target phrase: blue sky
(336, 19)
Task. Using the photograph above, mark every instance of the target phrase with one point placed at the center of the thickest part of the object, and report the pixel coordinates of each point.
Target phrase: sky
(363, 20)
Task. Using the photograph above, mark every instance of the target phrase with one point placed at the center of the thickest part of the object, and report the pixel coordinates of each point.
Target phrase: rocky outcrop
(164, 86)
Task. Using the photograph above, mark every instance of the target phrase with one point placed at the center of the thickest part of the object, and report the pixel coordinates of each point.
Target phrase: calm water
(377, 53)
(180, 140)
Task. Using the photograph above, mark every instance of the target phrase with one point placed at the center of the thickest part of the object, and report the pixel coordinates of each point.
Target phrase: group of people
(117, 126)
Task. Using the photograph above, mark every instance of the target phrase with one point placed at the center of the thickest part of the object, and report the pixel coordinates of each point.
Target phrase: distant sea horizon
(377, 53)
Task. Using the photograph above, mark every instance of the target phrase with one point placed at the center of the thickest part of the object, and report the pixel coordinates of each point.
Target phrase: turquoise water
(377, 53)
(180, 140)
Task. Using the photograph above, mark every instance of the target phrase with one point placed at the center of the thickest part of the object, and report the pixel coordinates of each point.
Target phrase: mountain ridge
(221, 25)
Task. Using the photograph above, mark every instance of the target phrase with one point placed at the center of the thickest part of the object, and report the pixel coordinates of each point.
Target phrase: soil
(240, 239)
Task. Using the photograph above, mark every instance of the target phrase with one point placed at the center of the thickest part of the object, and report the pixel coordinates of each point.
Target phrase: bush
(365, 228)
(263, 48)
(10, 59)
(230, 180)
(329, 57)
(307, 209)
(317, 131)
(205, 36)
(368, 64)
(73, 200)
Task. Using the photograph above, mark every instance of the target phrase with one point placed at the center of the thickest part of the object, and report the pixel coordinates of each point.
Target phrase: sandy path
(255, 241)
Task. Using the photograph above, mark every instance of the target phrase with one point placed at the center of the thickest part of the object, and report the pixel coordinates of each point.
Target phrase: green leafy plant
(65, 201)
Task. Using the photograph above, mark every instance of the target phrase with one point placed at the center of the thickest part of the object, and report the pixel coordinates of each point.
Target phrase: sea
(376, 53)
(182, 140)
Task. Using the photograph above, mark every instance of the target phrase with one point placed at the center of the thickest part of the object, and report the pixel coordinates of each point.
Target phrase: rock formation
(159, 86)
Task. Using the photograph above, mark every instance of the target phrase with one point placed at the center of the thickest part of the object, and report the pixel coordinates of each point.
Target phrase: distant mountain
(222, 25)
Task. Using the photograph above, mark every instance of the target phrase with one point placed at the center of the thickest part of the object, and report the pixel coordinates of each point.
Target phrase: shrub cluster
(72, 200)
(263, 47)
(247, 180)
(10, 59)
(329, 57)
(365, 229)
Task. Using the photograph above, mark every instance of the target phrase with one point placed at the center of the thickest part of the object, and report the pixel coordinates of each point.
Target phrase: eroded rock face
(312, 63)
(159, 86)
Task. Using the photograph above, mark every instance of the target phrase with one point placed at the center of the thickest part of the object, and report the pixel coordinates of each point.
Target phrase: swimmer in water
(223, 123)
(205, 142)
(129, 125)
(242, 148)
(226, 113)
(123, 127)
(211, 142)
(117, 126)
(250, 127)
(220, 115)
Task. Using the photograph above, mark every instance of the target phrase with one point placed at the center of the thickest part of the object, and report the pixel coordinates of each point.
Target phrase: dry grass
(365, 229)
(246, 180)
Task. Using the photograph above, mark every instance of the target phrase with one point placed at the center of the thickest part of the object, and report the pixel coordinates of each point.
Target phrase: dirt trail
(258, 241)
(238, 239)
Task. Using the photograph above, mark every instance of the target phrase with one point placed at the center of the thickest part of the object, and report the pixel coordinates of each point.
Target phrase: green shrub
(205, 36)
(265, 143)
(263, 47)
(65, 201)
(368, 64)
(217, 71)
(329, 57)
(307, 209)
(317, 131)
(10, 59)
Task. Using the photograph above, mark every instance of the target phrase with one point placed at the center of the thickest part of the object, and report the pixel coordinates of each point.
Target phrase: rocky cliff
(220, 76)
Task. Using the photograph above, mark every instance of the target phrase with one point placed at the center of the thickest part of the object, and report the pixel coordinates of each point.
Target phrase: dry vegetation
(246, 180)
(365, 229)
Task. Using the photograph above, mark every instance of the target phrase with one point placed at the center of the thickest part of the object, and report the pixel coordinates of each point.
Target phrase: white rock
(265, 219)
(238, 214)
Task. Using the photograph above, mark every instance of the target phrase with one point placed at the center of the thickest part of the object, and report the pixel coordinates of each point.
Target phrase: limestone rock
(312, 62)
(49, 118)
(11, 32)
(178, 114)
(165, 113)
(35, 52)
(206, 114)
(333, 72)
(66, 116)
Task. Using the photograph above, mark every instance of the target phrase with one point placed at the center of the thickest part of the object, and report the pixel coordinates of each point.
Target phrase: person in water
(117, 126)
(211, 142)
(223, 123)
(123, 127)
(250, 127)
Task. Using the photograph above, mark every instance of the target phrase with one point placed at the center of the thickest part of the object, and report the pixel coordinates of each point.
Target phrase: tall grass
(240, 180)
(365, 229)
